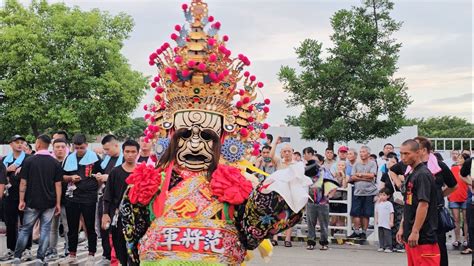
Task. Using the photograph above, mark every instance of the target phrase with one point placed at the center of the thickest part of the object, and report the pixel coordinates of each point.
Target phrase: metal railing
(448, 144)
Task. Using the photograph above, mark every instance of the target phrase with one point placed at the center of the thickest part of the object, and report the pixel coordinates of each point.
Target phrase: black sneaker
(354, 235)
(363, 236)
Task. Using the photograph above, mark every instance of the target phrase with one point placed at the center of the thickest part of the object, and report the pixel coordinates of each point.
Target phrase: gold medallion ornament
(201, 86)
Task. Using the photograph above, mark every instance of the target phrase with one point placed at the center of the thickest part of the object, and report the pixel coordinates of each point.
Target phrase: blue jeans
(29, 219)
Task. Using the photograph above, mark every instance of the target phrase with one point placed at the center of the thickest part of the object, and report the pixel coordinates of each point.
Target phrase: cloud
(461, 99)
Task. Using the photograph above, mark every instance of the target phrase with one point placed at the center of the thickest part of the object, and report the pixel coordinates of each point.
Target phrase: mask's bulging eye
(206, 135)
(187, 134)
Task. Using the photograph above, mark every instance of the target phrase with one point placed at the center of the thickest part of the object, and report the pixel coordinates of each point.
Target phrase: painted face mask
(199, 132)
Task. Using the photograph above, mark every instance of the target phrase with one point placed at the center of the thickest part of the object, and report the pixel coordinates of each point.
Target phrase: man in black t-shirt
(420, 220)
(445, 184)
(81, 196)
(13, 163)
(113, 158)
(40, 196)
(145, 150)
(113, 195)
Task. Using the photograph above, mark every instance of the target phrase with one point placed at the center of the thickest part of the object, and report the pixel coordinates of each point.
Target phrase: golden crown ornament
(200, 74)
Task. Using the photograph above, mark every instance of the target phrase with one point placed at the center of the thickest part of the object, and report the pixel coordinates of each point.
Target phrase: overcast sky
(436, 57)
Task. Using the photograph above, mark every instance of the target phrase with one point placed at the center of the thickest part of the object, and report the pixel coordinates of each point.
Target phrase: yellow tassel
(266, 250)
(249, 256)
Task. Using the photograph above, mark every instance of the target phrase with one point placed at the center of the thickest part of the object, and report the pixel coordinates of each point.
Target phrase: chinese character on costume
(198, 204)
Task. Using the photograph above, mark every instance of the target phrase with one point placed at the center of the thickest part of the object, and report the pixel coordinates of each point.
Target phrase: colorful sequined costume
(199, 206)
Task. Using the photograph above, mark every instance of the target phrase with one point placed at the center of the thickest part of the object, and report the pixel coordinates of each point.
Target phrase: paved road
(337, 255)
(343, 255)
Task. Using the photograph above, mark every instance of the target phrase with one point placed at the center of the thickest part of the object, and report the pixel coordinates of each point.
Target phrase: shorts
(423, 255)
(457, 205)
(362, 206)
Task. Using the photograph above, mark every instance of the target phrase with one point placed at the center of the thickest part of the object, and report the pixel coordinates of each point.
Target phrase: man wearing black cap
(13, 163)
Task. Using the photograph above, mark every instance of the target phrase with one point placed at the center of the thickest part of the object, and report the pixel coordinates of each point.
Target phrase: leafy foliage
(132, 129)
(61, 67)
(352, 93)
(442, 127)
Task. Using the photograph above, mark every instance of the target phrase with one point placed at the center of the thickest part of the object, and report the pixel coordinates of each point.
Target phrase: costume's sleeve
(262, 216)
(135, 221)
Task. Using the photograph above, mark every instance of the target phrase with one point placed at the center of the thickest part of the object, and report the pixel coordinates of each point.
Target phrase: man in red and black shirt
(420, 214)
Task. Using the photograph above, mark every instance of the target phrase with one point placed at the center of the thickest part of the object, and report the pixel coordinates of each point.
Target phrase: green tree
(351, 94)
(61, 67)
(442, 127)
(132, 129)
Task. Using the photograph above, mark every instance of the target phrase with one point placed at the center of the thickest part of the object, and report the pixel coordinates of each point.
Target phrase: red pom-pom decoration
(159, 51)
(238, 104)
(156, 79)
(178, 59)
(191, 63)
(263, 135)
(222, 49)
(202, 66)
(250, 119)
(244, 132)
(266, 109)
(146, 139)
(166, 45)
(160, 89)
(145, 107)
(216, 25)
(250, 108)
(255, 152)
(210, 19)
(213, 76)
(225, 38)
(147, 116)
(265, 126)
(174, 37)
(260, 84)
(256, 145)
(246, 100)
(221, 76)
(153, 56)
(153, 85)
(152, 118)
(184, 7)
(252, 78)
(177, 27)
(151, 62)
(227, 53)
(212, 58)
(241, 92)
(246, 74)
(250, 127)
(211, 41)
(157, 98)
(225, 72)
(185, 73)
(267, 101)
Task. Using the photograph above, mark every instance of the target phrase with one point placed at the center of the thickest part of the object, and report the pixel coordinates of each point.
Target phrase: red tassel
(159, 204)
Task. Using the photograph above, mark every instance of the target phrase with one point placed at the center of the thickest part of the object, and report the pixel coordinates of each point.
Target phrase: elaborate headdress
(199, 76)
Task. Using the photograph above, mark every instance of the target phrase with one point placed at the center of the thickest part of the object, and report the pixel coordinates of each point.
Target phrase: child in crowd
(341, 178)
(384, 215)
